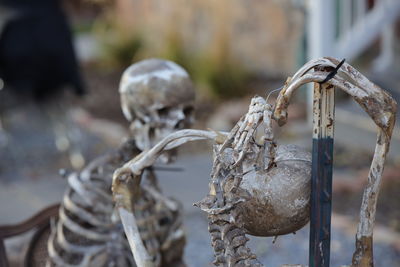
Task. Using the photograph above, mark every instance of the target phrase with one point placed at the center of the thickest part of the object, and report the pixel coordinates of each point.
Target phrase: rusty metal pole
(321, 180)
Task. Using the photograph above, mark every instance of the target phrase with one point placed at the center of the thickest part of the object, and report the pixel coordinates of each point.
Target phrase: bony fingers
(240, 159)
(121, 175)
(125, 187)
(240, 142)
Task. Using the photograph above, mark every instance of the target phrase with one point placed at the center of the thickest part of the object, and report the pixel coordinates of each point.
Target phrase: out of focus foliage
(213, 68)
(215, 71)
(119, 48)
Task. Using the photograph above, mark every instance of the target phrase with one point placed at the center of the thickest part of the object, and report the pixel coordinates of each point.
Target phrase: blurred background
(233, 49)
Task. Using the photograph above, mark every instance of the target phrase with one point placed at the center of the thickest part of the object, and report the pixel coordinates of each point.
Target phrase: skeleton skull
(277, 199)
(264, 186)
(157, 98)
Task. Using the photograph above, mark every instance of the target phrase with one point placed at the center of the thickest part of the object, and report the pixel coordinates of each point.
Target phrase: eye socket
(163, 112)
(188, 110)
(152, 133)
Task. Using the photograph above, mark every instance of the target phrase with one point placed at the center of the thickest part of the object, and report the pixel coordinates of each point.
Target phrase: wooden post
(321, 180)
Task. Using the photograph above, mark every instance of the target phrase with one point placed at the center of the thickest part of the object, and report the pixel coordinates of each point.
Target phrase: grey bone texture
(249, 177)
(257, 187)
(157, 98)
(381, 108)
(248, 171)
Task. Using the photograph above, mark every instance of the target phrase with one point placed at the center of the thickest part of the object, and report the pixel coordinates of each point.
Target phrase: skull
(278, 199)
(157, 97)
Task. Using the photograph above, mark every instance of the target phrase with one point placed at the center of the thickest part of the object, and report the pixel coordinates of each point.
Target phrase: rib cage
(89, 233)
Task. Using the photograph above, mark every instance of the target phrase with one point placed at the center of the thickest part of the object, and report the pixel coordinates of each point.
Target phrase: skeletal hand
(126, 186)
(126, 190)
(126, 180)
(243, 132)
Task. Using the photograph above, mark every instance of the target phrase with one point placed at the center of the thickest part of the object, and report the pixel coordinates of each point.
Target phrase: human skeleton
(157, 98)
(258, 187)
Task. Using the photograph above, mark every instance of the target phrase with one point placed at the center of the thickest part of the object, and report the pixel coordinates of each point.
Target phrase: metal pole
(321, 180)
(320, 36)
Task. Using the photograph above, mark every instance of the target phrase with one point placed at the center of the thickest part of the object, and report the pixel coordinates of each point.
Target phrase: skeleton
(231, 192)
(260, 188)
(381, 107)
(157, 98)
(249, 180)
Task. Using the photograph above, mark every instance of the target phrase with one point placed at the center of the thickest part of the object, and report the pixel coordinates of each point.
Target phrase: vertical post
(321, 31)
(321, 28)
(3, 254)
(321, 180)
